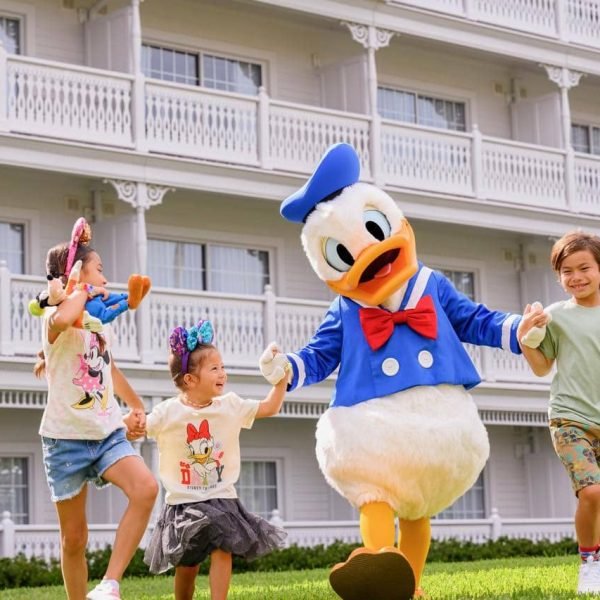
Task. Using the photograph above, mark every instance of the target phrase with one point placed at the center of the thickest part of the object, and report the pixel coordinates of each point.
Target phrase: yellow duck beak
(380, 269)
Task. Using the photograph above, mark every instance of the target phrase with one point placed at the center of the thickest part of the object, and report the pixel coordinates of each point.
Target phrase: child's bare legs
(185, 582)
(73, 540)
(219, 574)
(587, 516)
(138, 484)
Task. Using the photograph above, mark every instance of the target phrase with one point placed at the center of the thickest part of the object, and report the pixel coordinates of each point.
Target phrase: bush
(34, 572)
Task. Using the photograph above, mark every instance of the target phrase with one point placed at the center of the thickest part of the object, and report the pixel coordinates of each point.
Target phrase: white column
(477, 163)
(270, 323)
(141, 196)
(3, 88)
(372, 39)
(139, 82)
(562, 20)
(8, 536)
(264, 142)
(6, 346)
(566, 79)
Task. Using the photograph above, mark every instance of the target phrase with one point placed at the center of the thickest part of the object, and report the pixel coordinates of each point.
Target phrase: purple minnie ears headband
(184, 341)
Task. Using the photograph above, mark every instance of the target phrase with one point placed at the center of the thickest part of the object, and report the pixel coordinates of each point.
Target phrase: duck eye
(337, 255)
(377, 224)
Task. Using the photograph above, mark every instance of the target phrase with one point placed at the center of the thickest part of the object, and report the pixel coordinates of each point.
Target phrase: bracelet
(85, 287)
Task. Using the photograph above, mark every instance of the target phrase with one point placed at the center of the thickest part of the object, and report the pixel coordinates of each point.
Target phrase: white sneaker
(107, 589)
(589, 577)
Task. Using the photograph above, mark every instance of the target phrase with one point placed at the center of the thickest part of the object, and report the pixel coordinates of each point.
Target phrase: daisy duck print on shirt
(199, 448)
(203, 466)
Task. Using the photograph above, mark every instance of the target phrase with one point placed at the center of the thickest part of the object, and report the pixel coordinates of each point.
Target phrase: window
(10, 34)
(470, 505)
(208, 266)
(14, 488)
(464, 281)
(416, 108)
(170, 65)
(217, 72)
(12, 246)
(257, 487)
(585, 138)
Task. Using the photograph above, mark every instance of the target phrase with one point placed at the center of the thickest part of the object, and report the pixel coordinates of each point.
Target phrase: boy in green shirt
(571, 338)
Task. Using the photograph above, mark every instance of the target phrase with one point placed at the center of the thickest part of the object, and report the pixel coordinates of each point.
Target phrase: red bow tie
(378, 324)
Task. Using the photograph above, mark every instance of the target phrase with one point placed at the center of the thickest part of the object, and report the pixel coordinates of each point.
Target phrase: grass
(523, 579)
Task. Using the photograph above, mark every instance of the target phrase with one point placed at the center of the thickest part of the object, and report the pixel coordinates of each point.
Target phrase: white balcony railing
(574, 21)
(43, 540)
(244, 324)
(67, 102)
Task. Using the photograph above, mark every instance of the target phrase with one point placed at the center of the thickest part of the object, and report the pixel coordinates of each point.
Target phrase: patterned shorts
(578, 447)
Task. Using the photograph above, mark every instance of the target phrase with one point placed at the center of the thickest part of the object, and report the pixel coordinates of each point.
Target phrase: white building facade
(177, 128)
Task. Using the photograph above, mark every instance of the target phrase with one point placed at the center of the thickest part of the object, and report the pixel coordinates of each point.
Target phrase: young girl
(197, 433)
(572, 340)
(82, 429)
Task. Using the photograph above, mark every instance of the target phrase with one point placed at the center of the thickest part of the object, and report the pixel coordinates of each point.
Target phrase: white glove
(533, 338)
(90, 323)
(274, 365)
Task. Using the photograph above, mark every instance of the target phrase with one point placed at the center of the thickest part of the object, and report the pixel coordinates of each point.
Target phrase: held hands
(135, 421)
(532, 328)
(274, 365)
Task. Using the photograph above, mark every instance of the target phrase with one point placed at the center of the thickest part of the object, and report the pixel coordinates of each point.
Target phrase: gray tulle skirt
(185, 534)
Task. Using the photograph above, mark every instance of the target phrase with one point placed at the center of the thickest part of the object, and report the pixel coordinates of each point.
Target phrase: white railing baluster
(68, 102)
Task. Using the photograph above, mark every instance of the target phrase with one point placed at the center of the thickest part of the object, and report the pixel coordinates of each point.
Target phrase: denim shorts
(70, 464)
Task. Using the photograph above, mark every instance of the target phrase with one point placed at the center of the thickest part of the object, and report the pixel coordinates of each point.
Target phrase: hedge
(34, 572)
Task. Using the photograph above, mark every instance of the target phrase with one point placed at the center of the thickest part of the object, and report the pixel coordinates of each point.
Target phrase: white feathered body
(418, 450)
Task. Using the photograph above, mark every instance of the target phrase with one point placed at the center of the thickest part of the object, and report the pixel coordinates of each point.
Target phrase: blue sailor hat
(338, 168)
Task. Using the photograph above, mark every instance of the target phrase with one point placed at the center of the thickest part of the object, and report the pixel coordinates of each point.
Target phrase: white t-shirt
(81, 403)
(199, 448)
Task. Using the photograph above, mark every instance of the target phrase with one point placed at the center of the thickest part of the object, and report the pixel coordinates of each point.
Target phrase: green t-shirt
(573, 339)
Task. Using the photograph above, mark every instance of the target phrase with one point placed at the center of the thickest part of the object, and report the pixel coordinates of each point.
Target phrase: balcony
(109, 110)
(573, 21)
(244, 325)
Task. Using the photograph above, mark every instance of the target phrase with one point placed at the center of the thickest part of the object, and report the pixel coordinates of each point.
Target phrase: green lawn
(522, 579)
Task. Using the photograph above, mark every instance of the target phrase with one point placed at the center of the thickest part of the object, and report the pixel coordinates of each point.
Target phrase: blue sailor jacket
(407, 359)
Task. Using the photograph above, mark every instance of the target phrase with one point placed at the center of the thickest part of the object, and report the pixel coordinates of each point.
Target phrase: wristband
(87, 288)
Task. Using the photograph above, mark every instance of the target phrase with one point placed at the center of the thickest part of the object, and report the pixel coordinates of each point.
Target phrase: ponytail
(40, 366)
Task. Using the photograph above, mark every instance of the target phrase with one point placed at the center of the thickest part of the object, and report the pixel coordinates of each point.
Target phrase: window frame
(477, 267)
(29, 457)
(438, 92)
(278, 478)
(11, 9)
(31, 234)
(185, 44)
(590, 126)
(274, 248)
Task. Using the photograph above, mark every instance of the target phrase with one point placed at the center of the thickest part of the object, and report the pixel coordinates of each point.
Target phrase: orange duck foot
(373, 575)
(138, 287)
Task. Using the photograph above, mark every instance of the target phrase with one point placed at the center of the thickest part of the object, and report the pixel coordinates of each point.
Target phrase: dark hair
(56, 259)
(195, 360)
(572, 242)
(56, 265)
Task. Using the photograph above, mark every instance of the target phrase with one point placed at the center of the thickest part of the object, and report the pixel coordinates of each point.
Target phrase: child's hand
(274, 365)
(135, 421)
(532, 328)
(99, 291)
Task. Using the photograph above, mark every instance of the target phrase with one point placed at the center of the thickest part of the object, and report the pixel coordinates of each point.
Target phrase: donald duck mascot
(402, 436)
